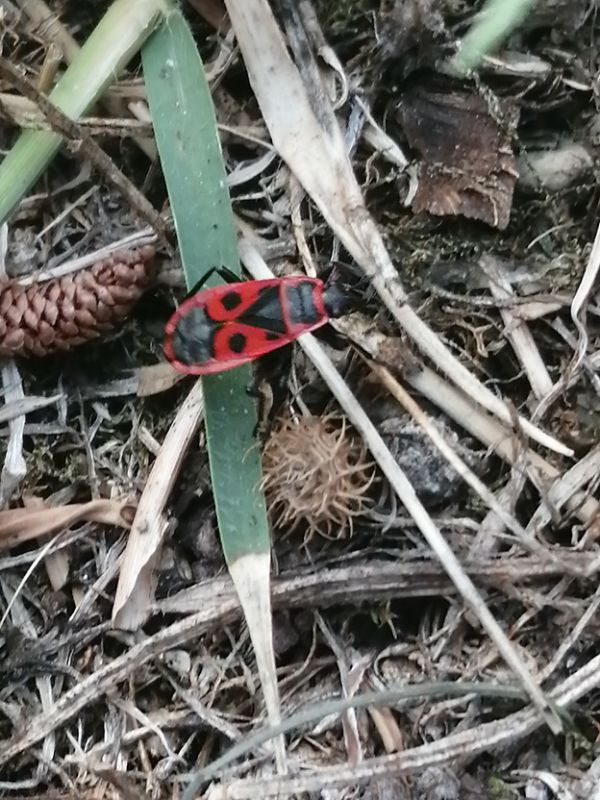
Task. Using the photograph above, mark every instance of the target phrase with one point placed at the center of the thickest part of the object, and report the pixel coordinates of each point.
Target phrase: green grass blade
(117, 37)
(496, 21)
(187, 138)
(186, 135)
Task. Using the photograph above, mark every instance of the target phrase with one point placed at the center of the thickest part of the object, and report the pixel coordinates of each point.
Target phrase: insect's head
(338, 300)
(341, 293)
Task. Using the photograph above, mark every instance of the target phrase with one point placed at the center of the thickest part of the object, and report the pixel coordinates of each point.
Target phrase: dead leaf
(157, 378)
(57, 563)
(136, 585)
(18, 525)
(467, 165)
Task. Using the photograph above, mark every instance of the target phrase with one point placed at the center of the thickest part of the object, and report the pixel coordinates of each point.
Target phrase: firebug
(224, 326)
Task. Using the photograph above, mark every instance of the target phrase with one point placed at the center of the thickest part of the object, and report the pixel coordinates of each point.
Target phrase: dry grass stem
(14, 467)
(87, 147)
(50, 26)
(458, 407)
(578, 316)
(136, 579)
(19, 525)
(445, 750)
(516, 330)
(397, 391)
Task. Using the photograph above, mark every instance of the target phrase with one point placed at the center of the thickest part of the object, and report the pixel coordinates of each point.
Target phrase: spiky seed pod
(315, 474)
(59, 314)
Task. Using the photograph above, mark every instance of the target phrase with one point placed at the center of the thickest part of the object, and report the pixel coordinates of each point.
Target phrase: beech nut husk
(316, 475)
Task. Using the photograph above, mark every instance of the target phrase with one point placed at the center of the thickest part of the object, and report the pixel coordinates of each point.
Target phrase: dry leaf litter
(89, 712)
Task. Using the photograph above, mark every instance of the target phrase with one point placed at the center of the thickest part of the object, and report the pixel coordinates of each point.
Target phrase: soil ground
(496, 239)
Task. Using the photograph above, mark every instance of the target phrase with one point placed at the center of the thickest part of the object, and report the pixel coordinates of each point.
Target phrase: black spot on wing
(231, 300)
(272, 337)
(237, 342)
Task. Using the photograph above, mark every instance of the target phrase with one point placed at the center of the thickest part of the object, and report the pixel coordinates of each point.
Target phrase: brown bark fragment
(467, 165)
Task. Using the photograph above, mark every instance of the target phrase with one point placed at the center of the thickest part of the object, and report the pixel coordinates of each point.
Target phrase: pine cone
(61, 313)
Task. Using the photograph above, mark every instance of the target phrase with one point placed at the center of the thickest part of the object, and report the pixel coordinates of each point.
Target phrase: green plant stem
(117, 37)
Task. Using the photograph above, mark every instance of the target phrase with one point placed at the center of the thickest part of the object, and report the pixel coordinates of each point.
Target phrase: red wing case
(225, 326)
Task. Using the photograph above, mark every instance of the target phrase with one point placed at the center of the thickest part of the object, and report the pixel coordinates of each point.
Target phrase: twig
(552, 301)
(377, 580)
(14, 468)
(50, 24)
(88, 147)
(577, 313)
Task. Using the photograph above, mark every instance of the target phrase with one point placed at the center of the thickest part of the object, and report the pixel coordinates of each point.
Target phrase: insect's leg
(259, 390)
(279, 363)
(228, 275)
(252, 389)
(275, 368)
(270, 387)
(197, 286)
(225, 273)
(346, 275)
(264, 394)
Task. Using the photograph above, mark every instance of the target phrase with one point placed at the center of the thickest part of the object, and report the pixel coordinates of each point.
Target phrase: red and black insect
(222, 327)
